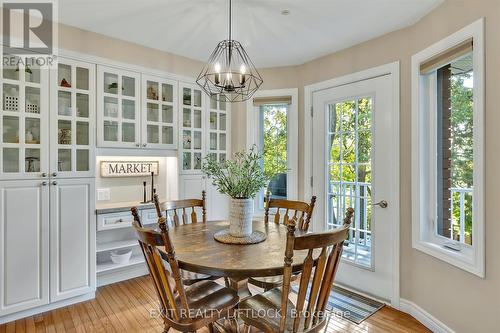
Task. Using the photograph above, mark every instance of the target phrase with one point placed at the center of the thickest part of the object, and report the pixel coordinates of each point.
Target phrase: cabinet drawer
(149, 216)
(114, 221)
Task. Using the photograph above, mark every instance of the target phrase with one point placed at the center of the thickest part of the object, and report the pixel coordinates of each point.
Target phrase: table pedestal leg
(240, 285)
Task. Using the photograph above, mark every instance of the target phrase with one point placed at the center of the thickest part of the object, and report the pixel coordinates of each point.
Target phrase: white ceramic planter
(240, 217)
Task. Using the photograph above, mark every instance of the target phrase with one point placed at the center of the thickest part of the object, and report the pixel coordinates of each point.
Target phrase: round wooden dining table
(198, 251)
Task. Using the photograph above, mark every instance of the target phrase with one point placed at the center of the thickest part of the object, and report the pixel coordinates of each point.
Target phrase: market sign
(129, 168)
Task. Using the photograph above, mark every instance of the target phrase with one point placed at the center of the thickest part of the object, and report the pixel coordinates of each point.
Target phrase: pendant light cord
(230, 18)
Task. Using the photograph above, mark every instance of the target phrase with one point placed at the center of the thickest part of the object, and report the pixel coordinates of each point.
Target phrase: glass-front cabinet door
(218, 130)
(72, 119)
(191, 128)
(159, 121)
(24, 120)
(118, 108)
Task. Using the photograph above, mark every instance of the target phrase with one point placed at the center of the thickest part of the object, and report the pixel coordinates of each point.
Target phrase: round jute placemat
(225, 237)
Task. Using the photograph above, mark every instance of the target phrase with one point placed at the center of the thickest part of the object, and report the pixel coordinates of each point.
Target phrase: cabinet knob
(44, 183)
(54, 183)
(144, 144)
(44, 174)
(137, 144)
(54, 174)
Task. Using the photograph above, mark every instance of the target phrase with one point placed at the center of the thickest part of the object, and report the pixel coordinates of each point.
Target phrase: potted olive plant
(241, 179)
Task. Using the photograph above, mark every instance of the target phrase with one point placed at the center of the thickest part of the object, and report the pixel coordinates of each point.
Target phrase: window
(447, 147)
(272, 126)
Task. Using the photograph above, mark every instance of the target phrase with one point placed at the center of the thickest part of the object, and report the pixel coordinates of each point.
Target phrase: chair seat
(270, 282)
(189, 278)
(207, 299)
(251, 311)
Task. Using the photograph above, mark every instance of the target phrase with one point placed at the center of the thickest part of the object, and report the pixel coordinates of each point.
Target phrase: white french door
(354, 147)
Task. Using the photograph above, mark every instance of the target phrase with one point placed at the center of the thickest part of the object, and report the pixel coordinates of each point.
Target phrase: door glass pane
(222, 104)
(350, 140)
(32, 71)
(167, 135)
(213, 120)
(10, 129)
(128, 109)
(110, 83)
(186, 96)
(222, 121)
(82, 160)
(32, 130)
(197, 161)
(64, 132)
(82, 78)
(186, 161)
(213, 103)
(197, 140)
(197, 118)
(197, 98)
(186, 140)
(32, 100)
(82, 133)
(186, 118)
(222, 158)
(167, 93)
(11, 72)
(167, 114)
(64, 103)
(111, 107)
(64, 75)
(82, 105)
(110, 130)
(128, 132)
(222, 141)
(10, 97)
(153, 112)
(152, 90)
(213, 141)
(128, 86)
(64, 160)
(10, 160)
(153, 134)
(32, 160)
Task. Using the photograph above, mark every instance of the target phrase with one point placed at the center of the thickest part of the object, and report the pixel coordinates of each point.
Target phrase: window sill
(465, 259)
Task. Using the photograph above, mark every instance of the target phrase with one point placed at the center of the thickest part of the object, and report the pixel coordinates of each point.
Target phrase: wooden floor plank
(125, 307)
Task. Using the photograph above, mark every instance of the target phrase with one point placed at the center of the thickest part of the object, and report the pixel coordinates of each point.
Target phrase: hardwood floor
(125, 307)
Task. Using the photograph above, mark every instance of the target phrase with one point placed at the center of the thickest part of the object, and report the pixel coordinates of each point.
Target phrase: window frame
(253, 137)
(424, 166)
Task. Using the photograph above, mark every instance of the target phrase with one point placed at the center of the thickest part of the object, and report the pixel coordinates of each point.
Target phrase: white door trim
(252, 118)
(393, 70)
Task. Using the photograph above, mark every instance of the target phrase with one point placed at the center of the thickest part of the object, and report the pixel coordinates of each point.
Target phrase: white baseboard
(428, 320)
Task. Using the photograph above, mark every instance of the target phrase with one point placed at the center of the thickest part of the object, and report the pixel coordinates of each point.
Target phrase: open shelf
(109, 265)
(115, 245)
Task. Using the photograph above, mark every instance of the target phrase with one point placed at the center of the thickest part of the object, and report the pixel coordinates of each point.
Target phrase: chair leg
(211, 328)
(226, 282)
(166, 328)
(246, 328)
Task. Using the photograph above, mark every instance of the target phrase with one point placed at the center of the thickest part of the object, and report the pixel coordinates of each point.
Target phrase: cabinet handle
(144, 144)
(54, 183)
(44, 183)
(54, 174)
(44, 174)
(137, 144)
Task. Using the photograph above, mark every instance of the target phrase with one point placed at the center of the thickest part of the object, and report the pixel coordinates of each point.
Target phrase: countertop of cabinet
(117, 207)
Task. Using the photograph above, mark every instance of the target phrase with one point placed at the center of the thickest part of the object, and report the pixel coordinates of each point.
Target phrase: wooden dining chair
(285, 209)
(175, 218)
(308, 313)
(184, 308)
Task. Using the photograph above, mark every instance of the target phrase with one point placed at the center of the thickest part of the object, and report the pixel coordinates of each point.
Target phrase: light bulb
(217, 67)
(243, 69)
(229, 76)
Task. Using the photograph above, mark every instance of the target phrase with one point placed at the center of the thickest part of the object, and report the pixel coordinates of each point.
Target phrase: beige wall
(462, 301)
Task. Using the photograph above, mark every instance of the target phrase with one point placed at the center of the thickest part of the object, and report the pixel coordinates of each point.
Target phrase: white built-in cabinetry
(47, 189)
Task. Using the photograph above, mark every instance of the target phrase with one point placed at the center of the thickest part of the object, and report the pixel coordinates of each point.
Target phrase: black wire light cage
(229, 74)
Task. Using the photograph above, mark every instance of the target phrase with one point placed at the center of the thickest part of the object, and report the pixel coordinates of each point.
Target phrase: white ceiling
(193, 27)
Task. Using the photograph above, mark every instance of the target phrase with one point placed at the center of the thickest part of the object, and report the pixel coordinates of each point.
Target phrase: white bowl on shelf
(121, 256)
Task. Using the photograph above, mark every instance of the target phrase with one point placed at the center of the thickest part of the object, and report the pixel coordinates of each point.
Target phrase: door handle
(381, 204)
